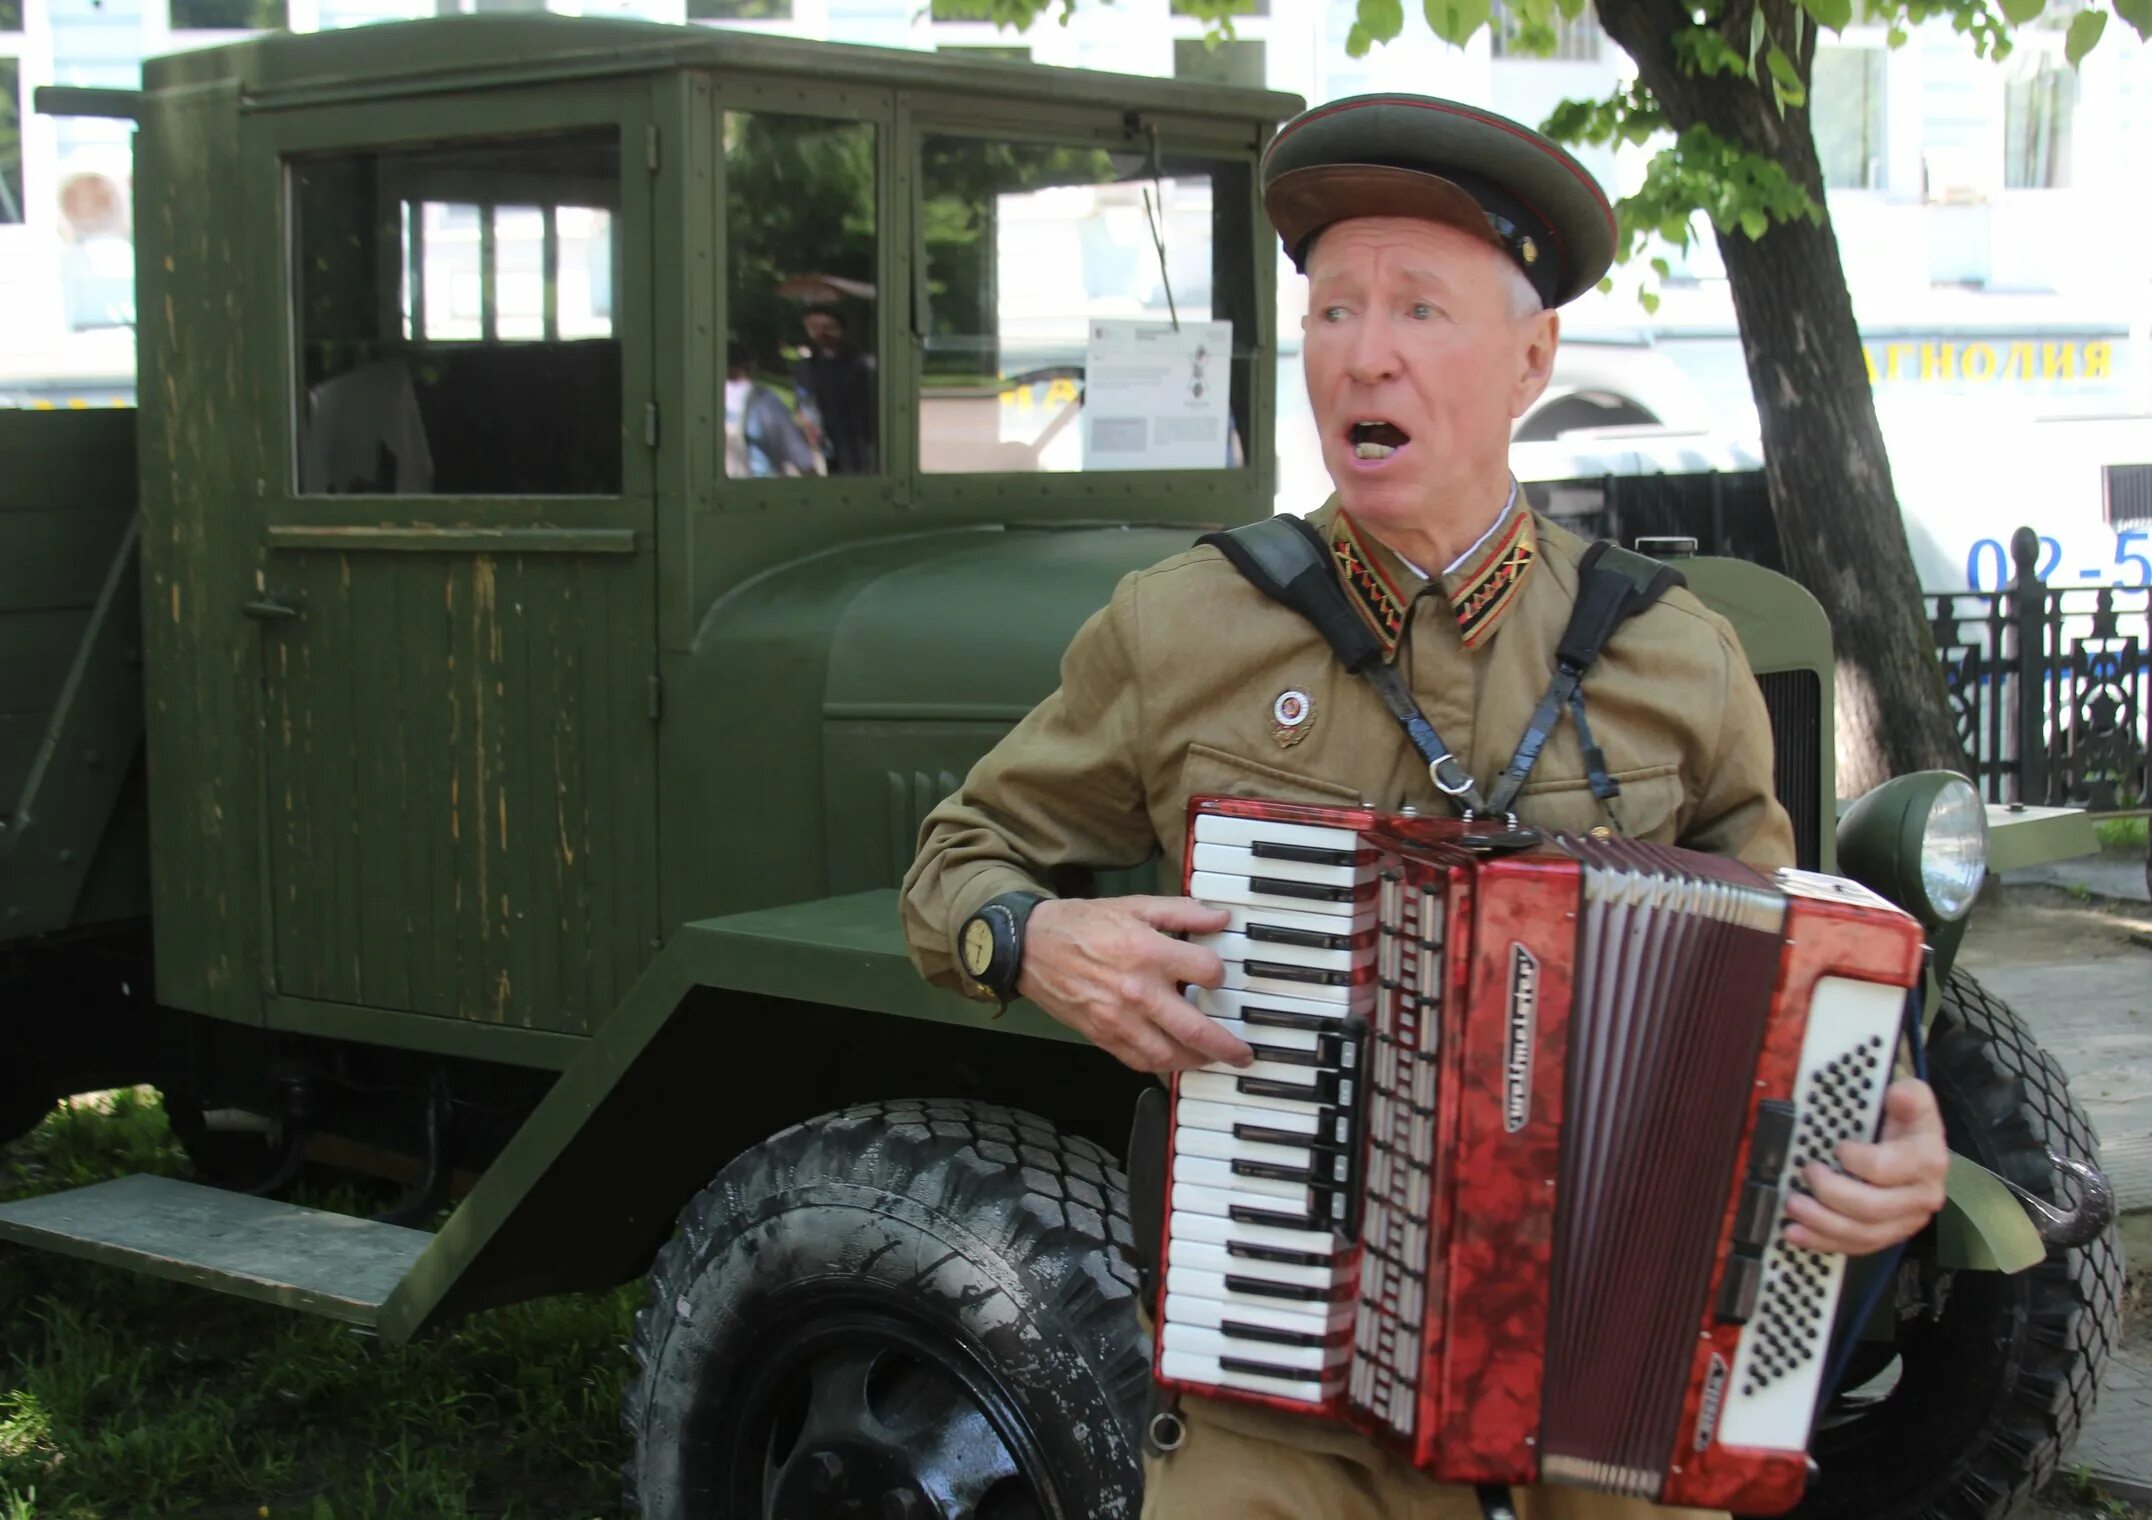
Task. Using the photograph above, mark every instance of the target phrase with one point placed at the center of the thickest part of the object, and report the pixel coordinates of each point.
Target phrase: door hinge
(650, 424)
(657, 698)
(650, 148)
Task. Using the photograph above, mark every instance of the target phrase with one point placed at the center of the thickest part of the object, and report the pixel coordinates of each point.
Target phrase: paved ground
(2072, 953)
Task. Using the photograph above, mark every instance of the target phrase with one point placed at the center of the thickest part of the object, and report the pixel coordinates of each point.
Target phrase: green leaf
(1357, 41)
(2019, 12)
(1756, 30)
(2138, 13)
(1662, 269)
(1384, 19)
(1896, 36)
(322, 1510)
(1782, 69)
(1606, 286)
(1754, 223)
(1454, 21)
(2084, 35)
(1649, 300)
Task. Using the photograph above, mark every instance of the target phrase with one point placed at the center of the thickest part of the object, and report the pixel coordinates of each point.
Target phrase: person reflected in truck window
(762, 437)
(835, 384)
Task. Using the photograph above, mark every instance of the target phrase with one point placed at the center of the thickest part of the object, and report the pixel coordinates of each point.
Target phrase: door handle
(269, 610)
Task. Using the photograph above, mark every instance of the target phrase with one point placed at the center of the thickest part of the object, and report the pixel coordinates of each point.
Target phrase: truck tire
(914, 1310)
(1990, 1392)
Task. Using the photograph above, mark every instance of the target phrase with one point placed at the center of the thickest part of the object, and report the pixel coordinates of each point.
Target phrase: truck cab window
(802, 371)
(1053, 278)
(455, 318)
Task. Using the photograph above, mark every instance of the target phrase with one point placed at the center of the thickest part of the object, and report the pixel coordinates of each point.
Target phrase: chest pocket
(1210, 772)
(1649, 806)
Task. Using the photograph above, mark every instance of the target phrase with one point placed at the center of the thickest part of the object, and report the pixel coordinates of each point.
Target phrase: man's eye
(1421, 311)
(1333, 313)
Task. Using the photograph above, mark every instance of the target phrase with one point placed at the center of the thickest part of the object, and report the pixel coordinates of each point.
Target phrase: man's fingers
(1144, 1047)
(1197, 1031)
(1195, 964)
(1178, 915)
(1914, 1160)
(1909, 1109)
(1865, 1202)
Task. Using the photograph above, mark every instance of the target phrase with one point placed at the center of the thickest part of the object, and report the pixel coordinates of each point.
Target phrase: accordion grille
(1677, 959)
(1399, 1189)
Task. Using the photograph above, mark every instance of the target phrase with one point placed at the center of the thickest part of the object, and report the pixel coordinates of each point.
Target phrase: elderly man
(1436, 240)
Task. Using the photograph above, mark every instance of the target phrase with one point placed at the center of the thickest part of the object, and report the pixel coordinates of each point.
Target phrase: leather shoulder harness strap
(1287, 560)
(1613, 585)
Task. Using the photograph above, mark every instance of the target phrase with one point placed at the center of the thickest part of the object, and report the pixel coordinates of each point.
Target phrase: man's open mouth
(1376, 438)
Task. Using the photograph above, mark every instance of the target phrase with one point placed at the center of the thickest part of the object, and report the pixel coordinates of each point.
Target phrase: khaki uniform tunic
(1174, 691)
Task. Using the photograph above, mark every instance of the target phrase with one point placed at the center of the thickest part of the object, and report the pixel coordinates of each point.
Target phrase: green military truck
(447, 730)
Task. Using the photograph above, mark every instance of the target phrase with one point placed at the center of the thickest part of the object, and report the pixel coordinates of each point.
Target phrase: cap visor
(1302, 202)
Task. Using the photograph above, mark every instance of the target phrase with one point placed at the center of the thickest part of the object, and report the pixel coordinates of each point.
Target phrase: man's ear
(1541, 334)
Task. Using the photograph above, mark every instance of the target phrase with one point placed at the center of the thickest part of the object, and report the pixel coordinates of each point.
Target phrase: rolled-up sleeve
(1064, 788)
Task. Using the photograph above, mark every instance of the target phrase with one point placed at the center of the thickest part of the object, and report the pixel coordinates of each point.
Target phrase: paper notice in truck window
(1155, 398)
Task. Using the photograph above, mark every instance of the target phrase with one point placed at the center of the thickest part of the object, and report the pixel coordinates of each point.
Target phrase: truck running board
(280, 1253)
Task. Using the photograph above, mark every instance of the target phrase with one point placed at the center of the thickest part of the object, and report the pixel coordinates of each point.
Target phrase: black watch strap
(990, 946)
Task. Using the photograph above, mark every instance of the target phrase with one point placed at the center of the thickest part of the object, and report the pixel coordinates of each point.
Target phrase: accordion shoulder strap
(1287, 560)
(1613, 585)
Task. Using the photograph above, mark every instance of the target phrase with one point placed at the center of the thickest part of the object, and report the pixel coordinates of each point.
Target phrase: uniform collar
(1481, 587)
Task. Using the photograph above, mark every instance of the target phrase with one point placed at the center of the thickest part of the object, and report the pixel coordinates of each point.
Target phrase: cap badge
(1528, 251)
(1291, 716)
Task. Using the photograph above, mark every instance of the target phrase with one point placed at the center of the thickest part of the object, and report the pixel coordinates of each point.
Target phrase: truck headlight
(1921, 841)
(1954, 849)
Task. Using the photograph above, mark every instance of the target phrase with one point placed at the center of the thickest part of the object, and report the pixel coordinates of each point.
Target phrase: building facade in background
(1991, 218)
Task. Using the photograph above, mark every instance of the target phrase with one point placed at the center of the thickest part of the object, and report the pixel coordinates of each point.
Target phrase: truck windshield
(1083, 308)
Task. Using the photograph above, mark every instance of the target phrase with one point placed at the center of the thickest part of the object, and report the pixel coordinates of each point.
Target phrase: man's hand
(1108, 968)
(1894, 1187)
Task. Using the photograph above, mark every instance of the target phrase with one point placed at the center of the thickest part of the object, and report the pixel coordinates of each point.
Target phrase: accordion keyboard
(1266, 1157)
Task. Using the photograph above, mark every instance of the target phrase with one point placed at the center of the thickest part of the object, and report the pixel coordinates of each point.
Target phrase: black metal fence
(2051, 687)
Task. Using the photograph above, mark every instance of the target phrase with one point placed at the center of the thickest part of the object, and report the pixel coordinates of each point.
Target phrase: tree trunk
(1838, 516)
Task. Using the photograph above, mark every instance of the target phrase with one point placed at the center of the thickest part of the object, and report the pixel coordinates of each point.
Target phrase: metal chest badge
(1291, 716)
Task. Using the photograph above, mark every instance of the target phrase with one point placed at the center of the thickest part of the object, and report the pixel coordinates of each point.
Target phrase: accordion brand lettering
(1517, 1059)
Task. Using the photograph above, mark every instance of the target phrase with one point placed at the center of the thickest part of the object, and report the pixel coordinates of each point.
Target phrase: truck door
(457, 601)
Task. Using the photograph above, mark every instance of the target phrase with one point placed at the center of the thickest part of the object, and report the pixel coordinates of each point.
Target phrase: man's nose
(1373, 356)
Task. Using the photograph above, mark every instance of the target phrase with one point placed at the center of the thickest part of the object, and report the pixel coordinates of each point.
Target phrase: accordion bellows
(1503, 1187)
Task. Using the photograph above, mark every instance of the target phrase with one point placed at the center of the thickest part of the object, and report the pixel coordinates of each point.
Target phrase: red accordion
(1503, 1185)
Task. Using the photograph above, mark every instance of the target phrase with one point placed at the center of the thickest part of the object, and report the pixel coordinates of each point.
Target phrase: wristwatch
(990, 945)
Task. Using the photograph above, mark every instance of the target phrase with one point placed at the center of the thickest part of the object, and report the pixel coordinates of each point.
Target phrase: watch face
(978, 947)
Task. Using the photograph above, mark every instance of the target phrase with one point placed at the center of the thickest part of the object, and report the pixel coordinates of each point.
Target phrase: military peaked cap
(1413, 155)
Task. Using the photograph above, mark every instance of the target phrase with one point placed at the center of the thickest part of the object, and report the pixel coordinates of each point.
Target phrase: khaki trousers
(1233, 1466)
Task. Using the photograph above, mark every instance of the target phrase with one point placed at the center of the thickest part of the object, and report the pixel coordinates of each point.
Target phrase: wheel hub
(869, 1422)
(855, 1480)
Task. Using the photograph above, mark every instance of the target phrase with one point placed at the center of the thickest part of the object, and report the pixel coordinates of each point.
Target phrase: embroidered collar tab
(1485, 584)
(1481, 588)
(1376, 580)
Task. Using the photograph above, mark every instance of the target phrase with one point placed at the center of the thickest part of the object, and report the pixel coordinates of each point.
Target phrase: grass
(2121, 833)
(129, 1396)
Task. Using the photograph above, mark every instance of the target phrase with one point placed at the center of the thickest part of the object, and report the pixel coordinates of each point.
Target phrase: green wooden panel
(35, 648)
(56, 556)
(19, 736)
(66, 458)
(461, 766)
(207, 285)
